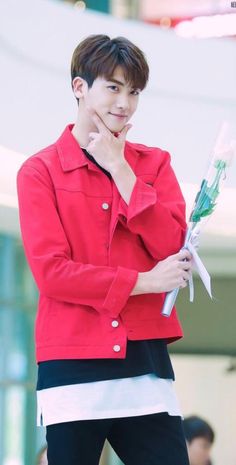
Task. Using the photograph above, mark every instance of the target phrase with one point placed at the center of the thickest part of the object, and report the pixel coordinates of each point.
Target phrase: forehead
(201, 442)
(118, 76)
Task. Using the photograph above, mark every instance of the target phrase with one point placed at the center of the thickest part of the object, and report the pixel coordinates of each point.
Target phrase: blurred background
(191, 48)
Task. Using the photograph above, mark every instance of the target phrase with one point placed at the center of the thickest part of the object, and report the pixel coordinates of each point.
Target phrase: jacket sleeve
(157, 212)
(49, 255)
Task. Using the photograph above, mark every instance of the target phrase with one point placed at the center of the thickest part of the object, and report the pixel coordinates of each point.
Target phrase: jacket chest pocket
(90, 183)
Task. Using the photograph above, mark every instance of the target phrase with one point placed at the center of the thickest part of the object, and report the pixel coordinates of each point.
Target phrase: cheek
(102, 107)
(91, 101)
(95, 100)
(133, 106)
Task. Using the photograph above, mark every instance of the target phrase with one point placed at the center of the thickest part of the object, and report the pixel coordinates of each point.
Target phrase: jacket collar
(72, 156)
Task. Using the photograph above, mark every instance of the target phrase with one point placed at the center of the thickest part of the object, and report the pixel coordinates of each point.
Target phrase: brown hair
(98, 56)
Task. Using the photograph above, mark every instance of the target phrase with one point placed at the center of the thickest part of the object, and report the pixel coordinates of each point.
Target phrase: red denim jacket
(85, 247)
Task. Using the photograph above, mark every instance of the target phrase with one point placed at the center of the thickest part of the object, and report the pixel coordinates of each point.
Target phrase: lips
(118, 115)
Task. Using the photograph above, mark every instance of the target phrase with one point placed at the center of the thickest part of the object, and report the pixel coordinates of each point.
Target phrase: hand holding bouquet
(204, 205)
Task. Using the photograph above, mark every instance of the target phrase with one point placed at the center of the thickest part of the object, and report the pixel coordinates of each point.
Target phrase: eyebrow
(120, 83)
(116, 81)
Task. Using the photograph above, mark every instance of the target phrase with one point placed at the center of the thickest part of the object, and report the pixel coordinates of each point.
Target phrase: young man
(200, 438)
(102, 223)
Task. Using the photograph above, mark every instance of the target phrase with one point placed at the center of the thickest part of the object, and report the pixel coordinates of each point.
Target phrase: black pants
(155, 439)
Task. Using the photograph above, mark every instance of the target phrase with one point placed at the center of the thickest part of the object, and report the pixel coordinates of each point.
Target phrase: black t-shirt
(143, 357)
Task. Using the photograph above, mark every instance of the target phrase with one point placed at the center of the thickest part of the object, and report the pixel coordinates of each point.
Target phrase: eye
(135, 92)
(113, 88)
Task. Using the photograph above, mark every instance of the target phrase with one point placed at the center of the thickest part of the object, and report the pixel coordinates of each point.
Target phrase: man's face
(113, 100)
(199, 451)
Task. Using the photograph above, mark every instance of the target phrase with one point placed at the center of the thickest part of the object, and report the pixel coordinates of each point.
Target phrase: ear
(80, 87)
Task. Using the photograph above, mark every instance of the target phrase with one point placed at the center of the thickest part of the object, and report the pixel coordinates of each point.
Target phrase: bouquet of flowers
(204, 205)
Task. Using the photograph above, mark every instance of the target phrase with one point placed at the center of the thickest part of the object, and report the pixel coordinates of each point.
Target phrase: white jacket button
(114, 323)
(105, 206)
(116, 348)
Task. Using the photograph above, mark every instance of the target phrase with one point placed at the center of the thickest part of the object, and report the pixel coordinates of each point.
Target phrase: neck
(82, 127)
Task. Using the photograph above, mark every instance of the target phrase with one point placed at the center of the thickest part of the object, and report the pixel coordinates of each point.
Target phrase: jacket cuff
(142, 197)
(119, 291)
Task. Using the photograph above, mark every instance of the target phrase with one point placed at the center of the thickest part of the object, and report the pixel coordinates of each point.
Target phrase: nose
(122, 102)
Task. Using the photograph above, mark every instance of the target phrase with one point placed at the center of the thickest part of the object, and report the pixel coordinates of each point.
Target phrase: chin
(116, 131)
(115, 128)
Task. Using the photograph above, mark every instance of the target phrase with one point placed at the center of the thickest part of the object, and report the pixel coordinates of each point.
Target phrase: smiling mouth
(118, 115)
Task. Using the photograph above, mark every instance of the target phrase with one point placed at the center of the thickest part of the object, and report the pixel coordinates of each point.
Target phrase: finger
(99, 123)
(90, 147)
(186, 275)
(183, 254)
(123, 133)
(186, 254)
(185, 265)
(183, 283)
(93, 135)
